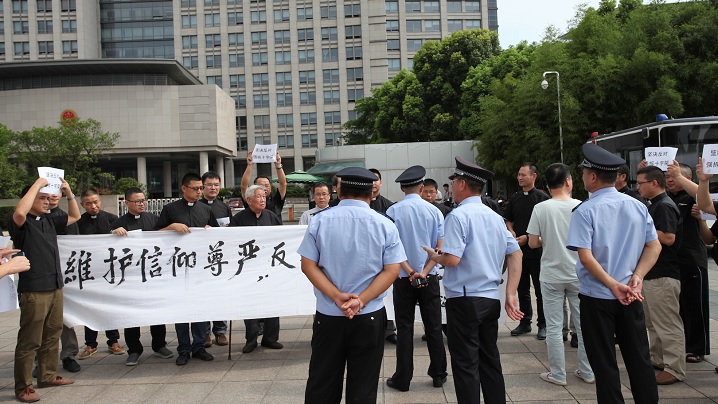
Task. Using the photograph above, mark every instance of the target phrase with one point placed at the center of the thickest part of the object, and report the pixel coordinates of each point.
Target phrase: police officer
(419, 224)
(611, 270)
(476, 242)
(351, 272)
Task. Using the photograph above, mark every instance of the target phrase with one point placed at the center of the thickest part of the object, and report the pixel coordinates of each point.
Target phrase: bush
(123, 184)
(5, 216)
(297, 191)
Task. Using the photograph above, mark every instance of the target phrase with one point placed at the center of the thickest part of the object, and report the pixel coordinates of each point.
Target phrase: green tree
(13, 178)
(123, 184)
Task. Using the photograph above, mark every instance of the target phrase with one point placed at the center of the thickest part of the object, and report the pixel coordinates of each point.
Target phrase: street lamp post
(544, 85)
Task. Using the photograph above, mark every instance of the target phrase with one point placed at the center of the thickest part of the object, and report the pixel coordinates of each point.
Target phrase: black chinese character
(82, 263)
(215, 258)
(247, 252)
(182, 260)
(279, 255)
(155, 268)
(124, 262)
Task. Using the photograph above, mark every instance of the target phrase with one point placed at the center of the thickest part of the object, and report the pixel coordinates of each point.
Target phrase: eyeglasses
(196, 189)
(211, 185)
(643, 182)
(323, 195)
(139, 201)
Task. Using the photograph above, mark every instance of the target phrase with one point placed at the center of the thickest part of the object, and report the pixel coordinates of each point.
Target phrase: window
(242, 103)
(213, 61)
(354, 53)
(282, 37)
(284, 99)
(331, 76)
(242, 122)
(305, 14)
(217, 80)
(2, 48)
(236, 81)
(210, 3)
(309, 140)
(355, 74)
(305, 34)
(211, 20)
(453, 6)
(44, 26)
(262, 139)
(236, 60)
(330, 54)
(45, 47)
(189, 21)
(392, 7)
(190, 62)
(307, 77)
(392, 45)
(259, 38)
(306, 56)
(352, 10)
(189, 42)
(20, 6)
(22, 48)
(260, 80)
(413, 25)
(235, 18)
(235, 39)
(332, 139)
(260, 59)
(329, 12)
(281, 15)
(20, 27)
(354, 94)
(285, 121)
(473, 6)
(2, 28)
(44, 6)
(282, 57)
(189, 3)
(333, 118)
(330, 34)
(455, 25)
(410, 63)
(283, 78)
(412, 7)
(213, 40)
(394, 65)
(431, 6)
(432, 25)
(352, 31)
(285, 141)
(69, 47)
(261, 100)
(413, 45)
(351, 115)
(258, 17)
(308, 98)
(473, 24)
(393, 25)
(242, 142)
(69, 26)
(331, 97)
(261, 122)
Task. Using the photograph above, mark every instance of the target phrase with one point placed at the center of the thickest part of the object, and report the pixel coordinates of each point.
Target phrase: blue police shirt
(420, 223)
(351, 243)
(615, 227)
(478, 236)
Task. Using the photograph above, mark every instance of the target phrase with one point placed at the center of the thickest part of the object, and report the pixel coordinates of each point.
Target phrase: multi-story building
(294, 68)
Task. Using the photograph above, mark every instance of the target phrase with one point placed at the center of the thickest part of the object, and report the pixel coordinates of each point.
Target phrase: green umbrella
(301, 177)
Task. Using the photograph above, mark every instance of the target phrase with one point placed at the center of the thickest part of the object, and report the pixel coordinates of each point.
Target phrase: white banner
(660, 157)
(162, 277)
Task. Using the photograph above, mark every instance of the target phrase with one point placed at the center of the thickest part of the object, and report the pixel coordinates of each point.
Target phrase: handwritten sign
(708, 216)
(660, 157)
(710, 159)
(264, 153)
(53, 176)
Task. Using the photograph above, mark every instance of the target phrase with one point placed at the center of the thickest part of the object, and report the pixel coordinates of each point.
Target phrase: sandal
(693, 358)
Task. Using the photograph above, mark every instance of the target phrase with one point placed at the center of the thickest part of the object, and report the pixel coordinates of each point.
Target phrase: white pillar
(203, 162)
(142, 170)
(167, 179)
(219, 167)
(229, 173)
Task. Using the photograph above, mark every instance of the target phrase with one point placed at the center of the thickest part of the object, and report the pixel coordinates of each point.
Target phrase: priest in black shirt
(257, 215)
(622, 184)
(179, 216)
(137, 219)
(275, 201)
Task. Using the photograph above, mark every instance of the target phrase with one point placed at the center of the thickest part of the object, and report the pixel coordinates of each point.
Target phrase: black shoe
(391, 338)
(249, 347)
(423, 337)
(565, 337)
(521, 329)
(390, 383)
(70, 365)
(261, 327)
(439, 381)
(203, 355)
(541, 334)
(272, 345)
(182, 358)
(574, 340)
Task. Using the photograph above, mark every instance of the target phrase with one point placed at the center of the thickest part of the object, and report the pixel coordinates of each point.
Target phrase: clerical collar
(210, 202)
(93, 217)
(137, 216)
(190, 203)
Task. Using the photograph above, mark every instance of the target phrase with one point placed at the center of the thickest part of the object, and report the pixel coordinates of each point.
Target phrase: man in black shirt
(39, 289)
(257, 215)
(275, 201)
(137, 219)
(429, 195)
(662, 285)
(517, 214)
(212, 184)
(179, 216)
(622, 184)
(96, 221)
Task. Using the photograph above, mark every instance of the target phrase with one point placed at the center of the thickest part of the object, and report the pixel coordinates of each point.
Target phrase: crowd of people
(622, 267)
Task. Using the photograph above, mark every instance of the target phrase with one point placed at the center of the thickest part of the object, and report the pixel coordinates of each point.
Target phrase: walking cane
(229, 357)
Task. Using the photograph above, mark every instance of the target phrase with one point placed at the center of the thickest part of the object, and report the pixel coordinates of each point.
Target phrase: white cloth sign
(710, 159)
(162, 277)
(660, 157)
(53, 176)
(8, 294)
(709, 216)
(264, 153)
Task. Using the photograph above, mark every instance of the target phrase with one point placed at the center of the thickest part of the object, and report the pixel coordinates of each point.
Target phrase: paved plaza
(274, 377)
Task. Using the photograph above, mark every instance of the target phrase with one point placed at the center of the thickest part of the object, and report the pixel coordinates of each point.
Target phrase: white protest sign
(710, 159)
(264, 153)
(53, 176)
(8, 294)
(660, 157)
(708, 216)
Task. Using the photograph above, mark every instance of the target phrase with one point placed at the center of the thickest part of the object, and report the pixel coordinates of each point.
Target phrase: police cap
(471, 171)
(412, 176)
(357, 178)
(598, 158)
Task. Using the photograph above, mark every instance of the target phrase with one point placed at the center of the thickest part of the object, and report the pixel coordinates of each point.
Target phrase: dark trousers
(271, 330)
(601, 319)
(132, 338)
(91, 337)
(531, 269)
(429, 299)
(199, 332)
(358, 345)
(472, 325)
(695, 309)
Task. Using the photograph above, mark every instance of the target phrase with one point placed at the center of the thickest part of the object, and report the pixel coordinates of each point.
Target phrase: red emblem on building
(68, 114)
